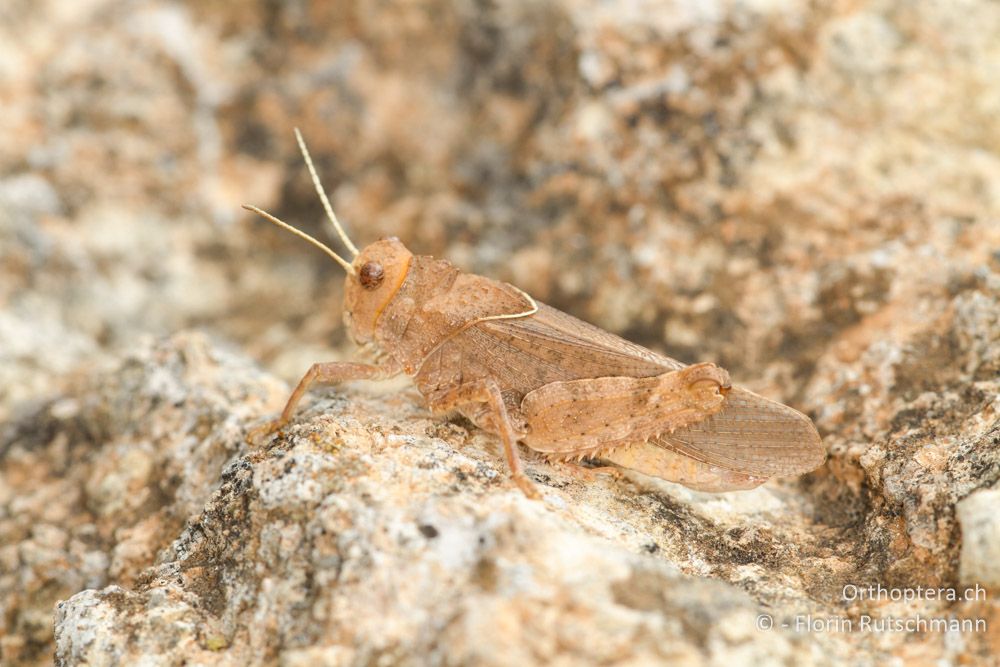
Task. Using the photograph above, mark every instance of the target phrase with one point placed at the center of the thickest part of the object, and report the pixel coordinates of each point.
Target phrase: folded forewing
(753, 435)
(577, 349)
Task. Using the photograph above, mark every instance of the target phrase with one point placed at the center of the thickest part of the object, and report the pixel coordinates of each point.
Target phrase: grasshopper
(532, 374)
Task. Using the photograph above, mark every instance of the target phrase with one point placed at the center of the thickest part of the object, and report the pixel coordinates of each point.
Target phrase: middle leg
(488, 392)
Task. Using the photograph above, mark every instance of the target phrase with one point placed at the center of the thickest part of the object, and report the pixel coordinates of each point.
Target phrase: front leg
(329, 373)
(488, 392)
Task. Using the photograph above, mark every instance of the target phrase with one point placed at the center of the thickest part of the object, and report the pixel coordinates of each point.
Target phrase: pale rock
(980, 520)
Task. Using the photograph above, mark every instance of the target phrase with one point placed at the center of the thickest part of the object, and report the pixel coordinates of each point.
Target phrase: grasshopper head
(373, 278)
(379, 272)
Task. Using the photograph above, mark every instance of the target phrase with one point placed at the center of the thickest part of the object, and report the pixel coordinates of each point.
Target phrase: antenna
(322, 194)
(284, 225)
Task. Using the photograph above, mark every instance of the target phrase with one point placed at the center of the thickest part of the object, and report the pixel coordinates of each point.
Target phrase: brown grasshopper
(533, 374)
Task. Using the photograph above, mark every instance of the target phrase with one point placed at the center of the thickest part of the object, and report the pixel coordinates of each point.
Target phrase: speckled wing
(551, 346)
(752, 435)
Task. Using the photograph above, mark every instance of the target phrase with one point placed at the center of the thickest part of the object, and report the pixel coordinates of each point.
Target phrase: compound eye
(371, 275)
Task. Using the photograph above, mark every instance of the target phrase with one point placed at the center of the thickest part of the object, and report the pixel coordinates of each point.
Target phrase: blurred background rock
(806, 193)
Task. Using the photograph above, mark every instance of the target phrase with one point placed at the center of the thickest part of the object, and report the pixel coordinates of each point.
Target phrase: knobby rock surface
(806, 193)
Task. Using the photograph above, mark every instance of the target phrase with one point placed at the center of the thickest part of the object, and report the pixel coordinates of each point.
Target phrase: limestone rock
(980, 562)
